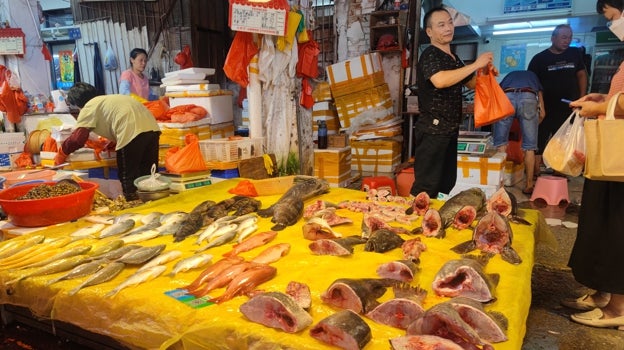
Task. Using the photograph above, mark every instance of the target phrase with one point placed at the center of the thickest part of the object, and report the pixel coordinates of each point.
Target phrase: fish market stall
(158, 314)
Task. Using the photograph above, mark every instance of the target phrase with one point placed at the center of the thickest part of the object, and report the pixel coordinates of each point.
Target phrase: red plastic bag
(490, 102)
(241, 52)
(306, 99)
(183, 58)
(187, 159)
(307, 65)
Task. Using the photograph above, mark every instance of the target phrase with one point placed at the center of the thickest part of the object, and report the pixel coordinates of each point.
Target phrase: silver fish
(141, 255)
(192, 262)
(81, 270)
(54, 267)
(245, 232)
(223, 239)
(136, 217)
(117, 228)
(105, 248)
(242, 218)
(139, 277)
(101, 219)
(88, 230)
(225, 229)
(162, 259)
(174, 216)
(15, 245)
(67, 253)
(107, 273)
(151, 216)
(117, 253)
(149, 226)
(208, 232)
(140, 237)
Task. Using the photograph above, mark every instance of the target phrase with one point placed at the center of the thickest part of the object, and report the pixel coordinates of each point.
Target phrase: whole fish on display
(192, 262)
(344, 329)
(82, 270)
(289, 208)
(247, 282)
(212, 271)
(138, 277)
(162, 259)
(337, 246)
(105, 274)
(141, 255)
(245, 205)
(54, 267)
(117, 228)
(492, 235)
(272, 253)
(254, 241)
(194, 221)
(276, 310)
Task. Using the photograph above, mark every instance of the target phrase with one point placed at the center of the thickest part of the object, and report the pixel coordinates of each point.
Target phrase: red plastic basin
(47, 211)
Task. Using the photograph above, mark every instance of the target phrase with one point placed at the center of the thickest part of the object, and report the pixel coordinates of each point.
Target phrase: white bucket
(58, 97)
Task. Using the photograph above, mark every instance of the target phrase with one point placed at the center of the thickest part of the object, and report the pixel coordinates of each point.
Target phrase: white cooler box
(219, 107)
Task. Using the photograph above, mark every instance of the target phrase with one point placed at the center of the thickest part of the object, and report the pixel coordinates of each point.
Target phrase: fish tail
(278, 227)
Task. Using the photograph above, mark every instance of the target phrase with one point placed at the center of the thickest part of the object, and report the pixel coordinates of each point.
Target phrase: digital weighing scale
(473, 142)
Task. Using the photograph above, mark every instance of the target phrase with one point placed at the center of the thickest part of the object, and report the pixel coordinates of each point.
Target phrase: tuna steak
(491, 235)
(423, 342)
(344, 329)
(485, 325)
(276, 310)
(465, 277)
(358, 295)
(300, 292)
(335, 247)
(398, 313)
(442, 320)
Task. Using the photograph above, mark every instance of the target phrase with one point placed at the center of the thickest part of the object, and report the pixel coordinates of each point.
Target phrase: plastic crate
(225, 174)
(231, 150)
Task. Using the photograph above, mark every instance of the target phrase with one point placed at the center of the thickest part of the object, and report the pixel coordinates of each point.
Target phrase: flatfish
(289, 208)
(276, 310)
(383, 240)
(344, 329)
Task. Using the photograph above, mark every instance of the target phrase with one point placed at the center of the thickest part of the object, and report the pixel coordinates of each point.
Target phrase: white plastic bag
(110, 60)
(565, 152)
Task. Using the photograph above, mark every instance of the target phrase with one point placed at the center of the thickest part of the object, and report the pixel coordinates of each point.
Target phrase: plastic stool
(379, 182)
(552, 189)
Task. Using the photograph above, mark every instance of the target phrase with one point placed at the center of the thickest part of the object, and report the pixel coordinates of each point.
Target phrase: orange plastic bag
(158, 108)
(49, 145)
(244, 188)
(186, 159)
(24, 160)
(490, 102)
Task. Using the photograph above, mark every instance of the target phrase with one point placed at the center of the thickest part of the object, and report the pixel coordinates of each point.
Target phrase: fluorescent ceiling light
(524, 30)
(530, 24)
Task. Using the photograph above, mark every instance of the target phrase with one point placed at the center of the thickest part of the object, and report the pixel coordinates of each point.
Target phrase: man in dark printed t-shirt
(441, 75)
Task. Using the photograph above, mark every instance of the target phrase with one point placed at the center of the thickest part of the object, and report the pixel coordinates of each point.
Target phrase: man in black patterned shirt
(441, 75)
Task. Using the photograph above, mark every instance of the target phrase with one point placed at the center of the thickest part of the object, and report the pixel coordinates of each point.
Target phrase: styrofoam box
(488, 189)
(219, 107)
(480, 170)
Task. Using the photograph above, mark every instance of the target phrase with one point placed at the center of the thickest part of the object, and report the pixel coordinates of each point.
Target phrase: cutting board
(253, 168)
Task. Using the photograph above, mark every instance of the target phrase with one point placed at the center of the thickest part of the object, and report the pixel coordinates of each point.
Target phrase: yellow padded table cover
(143, 317)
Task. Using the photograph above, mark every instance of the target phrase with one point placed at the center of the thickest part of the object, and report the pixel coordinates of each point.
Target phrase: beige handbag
(603, 143)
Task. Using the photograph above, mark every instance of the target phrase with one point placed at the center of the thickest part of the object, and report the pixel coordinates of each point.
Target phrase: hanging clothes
(98, 70)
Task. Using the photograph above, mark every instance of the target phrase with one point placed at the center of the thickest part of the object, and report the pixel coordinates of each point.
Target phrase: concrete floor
(549, 325)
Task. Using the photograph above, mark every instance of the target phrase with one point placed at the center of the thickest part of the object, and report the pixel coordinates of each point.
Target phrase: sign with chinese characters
(12, 41)
(256, 17)
(515, 6)
(66, 62)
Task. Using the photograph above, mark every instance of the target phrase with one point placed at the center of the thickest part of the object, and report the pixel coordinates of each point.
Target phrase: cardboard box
(351, 106)
(173, 134)
(219, 107)
(322, 92)
(356, 74)
(481, 170)
(337, 141)
(375, 156)
(333, 165)
(514, 173)
(461, 186)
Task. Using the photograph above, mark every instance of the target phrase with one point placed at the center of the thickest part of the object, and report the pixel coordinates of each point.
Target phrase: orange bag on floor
(490, 102)
(186, 159)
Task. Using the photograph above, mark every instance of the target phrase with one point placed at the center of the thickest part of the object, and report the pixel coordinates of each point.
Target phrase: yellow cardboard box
(375, 156)
(333, 165)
